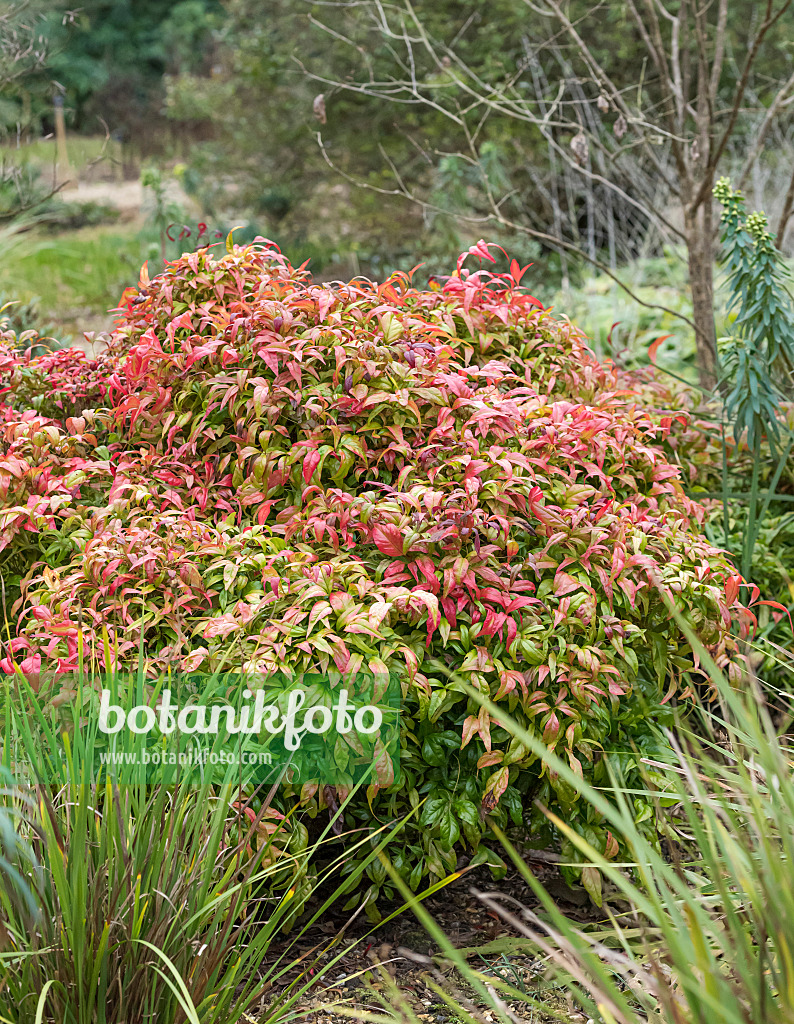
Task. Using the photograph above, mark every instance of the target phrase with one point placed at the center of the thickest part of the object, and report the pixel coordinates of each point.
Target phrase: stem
(724, 485)
(750, 529)
(772, 487)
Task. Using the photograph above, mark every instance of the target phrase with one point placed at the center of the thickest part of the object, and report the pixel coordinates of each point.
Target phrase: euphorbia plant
(292, 476)
(759, 356)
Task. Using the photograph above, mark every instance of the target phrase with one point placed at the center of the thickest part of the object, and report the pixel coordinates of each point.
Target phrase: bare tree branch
(774, 109)
(680, 116)
(719, 51)
(462, 75)
(769, 21)
(655, 47)
(497, 217)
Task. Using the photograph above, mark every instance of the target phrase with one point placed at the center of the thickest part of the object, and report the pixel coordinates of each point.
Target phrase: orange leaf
(654, 347)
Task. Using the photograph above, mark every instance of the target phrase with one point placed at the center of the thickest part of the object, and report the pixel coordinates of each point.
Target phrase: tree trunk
(700, 254)
(785, 216)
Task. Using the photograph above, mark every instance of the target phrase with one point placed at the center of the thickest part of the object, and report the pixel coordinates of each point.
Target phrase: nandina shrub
(294, 476)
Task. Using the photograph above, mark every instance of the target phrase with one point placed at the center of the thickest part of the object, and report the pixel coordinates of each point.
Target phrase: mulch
(371, 960)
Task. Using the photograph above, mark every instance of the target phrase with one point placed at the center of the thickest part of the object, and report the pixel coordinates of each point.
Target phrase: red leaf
(782, 608)
(732, 589)
(310, 463)
(388, 539)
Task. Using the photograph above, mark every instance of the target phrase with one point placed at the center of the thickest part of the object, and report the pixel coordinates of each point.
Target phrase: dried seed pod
(579, 148)
(603, 103)
(319, 108)
(620, 127)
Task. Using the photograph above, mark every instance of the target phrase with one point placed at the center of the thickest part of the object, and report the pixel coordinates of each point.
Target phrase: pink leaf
(221, 626)
(565, 584)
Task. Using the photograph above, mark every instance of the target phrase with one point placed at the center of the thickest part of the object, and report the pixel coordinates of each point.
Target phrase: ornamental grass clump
(267, 474)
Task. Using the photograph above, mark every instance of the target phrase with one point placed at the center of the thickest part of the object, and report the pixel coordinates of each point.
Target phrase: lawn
(74, 277)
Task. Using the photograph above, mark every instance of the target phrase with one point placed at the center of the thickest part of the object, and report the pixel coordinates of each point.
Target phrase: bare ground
(397, 968)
